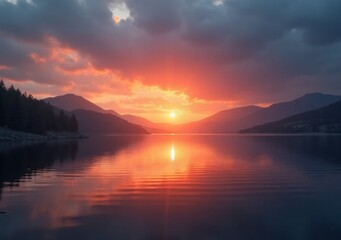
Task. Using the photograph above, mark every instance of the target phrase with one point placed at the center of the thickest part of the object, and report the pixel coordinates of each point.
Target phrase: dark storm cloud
(17, 63)
(13, 54)
(320, 21)
(156, 16)
(222, 49)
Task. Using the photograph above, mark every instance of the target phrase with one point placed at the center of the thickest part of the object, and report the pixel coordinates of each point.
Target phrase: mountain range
(72, 102)
(322, 120)
(218, 122)
(227, 121)
(92, 118)
(272, 113)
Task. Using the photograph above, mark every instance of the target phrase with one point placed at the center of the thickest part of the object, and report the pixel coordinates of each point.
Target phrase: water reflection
(20, 162)
(172, 153)
(178, 187)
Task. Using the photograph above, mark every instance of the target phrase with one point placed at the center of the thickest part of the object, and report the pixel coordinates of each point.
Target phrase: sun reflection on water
(172, 153)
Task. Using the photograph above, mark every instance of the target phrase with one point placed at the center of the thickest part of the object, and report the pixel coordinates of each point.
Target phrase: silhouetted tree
(62, 119)
(2, 103)
(20, 111)
(74, 124)
(17, 118)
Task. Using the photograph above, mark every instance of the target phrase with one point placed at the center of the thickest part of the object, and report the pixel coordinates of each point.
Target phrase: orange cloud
(164, 93)
(4, 67)
(37, 59)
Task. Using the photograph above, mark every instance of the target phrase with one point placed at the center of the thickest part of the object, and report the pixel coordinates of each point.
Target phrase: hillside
(217, 122)
(256, 117)
(323, 120)
(282, 110)
(71, 102)
(90, 121)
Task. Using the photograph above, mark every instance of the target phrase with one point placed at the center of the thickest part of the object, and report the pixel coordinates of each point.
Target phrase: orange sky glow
(109, 90)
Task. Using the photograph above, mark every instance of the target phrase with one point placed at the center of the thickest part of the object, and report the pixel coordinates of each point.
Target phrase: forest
(22, 112)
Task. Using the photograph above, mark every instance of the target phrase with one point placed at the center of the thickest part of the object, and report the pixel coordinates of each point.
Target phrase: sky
(154, 57)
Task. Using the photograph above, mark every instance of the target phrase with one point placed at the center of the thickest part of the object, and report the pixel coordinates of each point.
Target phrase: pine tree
(62, 119)
(17, 116)
(50, 119)
(2, 102)
(74, 124)
(22, 112)
(2, 112)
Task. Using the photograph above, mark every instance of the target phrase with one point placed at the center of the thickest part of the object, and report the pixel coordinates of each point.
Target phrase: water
(170, 187)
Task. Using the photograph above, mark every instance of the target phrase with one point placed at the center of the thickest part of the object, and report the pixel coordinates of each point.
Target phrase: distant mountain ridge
(260, 116)
(71, 102)
(227, 121)
(92, 118)
(91, 121)
(217, 122)
(282, 110)
(323, 120)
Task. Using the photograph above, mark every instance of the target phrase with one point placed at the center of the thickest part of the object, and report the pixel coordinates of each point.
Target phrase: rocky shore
(7, 135)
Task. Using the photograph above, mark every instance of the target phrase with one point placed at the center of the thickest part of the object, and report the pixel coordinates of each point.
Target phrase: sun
(172, 115)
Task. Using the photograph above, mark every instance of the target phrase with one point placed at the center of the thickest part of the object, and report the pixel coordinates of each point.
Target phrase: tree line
(20, 111)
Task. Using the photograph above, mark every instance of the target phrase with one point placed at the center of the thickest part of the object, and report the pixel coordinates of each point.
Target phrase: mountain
(217, 122)
(272, 113)
(91, 121)
(282, 110)
(71, 102)
(326, 120)
(137, 120)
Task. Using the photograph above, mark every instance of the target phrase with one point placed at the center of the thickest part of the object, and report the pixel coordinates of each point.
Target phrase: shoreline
(8, 135)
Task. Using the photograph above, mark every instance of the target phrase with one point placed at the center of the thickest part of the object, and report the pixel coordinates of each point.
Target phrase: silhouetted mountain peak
(69, 96)
(232, 114)
(314, 94)
(71, 102)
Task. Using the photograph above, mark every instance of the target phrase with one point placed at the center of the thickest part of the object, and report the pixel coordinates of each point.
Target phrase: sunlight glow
(172, 114)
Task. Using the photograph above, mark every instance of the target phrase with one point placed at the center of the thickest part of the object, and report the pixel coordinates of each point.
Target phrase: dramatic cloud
(240, 51)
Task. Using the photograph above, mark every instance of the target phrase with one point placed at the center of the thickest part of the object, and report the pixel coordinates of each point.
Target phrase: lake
(173, 187)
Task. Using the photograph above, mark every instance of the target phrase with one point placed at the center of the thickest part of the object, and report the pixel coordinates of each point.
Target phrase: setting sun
(172, 114)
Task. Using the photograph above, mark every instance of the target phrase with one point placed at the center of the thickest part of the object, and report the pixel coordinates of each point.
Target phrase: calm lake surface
(172, 187)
